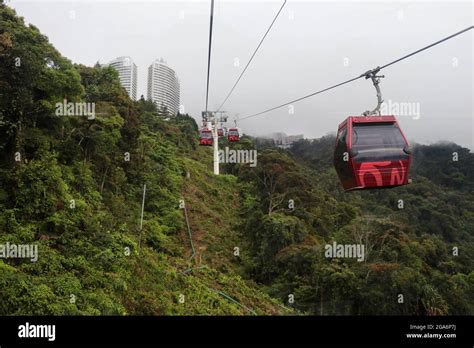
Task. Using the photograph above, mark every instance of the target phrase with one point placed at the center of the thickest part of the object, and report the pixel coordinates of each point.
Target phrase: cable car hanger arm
(372, 74)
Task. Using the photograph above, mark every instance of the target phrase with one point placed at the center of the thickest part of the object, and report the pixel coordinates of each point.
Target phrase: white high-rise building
(163, 86)
(127, 71)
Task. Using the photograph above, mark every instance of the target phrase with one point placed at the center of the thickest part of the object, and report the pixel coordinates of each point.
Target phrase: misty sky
(313, 45)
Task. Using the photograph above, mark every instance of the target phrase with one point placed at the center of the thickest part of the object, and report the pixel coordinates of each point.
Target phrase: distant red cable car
(205, 137)
(371, 152)
(233, 135)
(220, 132)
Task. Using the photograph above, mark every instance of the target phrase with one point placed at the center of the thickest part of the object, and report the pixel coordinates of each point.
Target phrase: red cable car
(220, 132)
(205, 137)
(233, 135)
(371, 152)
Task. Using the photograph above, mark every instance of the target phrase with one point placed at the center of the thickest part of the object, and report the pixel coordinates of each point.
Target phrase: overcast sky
(313, 45)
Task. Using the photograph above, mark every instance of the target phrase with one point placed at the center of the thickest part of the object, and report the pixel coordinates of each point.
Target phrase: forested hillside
(250, 241)
(74, 185)
(419, 238)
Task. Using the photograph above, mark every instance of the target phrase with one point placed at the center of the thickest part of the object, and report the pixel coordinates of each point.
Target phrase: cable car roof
(368, 119)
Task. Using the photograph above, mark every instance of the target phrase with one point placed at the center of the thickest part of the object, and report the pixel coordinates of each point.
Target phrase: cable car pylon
(212, 121)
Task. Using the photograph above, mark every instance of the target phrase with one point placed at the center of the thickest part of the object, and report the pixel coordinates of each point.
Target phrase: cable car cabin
(205, 138)
(371, 152)
(220, 132)
(233, 135)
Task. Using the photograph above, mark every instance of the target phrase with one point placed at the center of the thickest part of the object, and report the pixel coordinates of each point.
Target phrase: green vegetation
(419, 238)
(74, 186)
(76, 191)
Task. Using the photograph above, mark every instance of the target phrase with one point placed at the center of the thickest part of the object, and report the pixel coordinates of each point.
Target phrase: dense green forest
(248, 242)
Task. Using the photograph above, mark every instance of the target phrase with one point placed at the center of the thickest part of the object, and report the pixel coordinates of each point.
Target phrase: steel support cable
(426, 47)
(233, 300)
(189, 270)
(253, 55)
(189, 231)
(209, 52)
(366, 74)
(306, 96)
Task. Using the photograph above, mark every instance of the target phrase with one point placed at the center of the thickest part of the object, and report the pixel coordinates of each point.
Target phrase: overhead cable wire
(366, 74)
(253, 55)
(209, 53)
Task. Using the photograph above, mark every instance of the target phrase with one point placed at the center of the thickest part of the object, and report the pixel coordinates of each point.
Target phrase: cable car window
(206, 135)
(342, 167)
(377, 142)
(233, 132)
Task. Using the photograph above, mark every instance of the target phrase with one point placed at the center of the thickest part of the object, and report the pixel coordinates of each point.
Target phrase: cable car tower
(213, 120)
